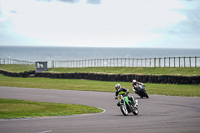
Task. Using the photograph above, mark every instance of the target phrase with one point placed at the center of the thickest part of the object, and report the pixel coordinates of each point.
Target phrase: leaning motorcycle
(141, 91)
(126, 105)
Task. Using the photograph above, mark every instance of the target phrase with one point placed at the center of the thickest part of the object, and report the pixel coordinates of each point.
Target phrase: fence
(131, 62)
(118, 62)
(14, 61)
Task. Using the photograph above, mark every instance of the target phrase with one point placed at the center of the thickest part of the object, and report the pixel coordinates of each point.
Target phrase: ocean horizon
(42, 53)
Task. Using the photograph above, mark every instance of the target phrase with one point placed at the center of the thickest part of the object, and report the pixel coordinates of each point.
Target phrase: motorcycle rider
(126, 92)
(135, 85)
(139, 88)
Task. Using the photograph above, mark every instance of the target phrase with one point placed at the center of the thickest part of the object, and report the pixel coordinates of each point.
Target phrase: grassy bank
(90, 85)
(21, 109)
(133, 70)
(17, 67)
(117, 70)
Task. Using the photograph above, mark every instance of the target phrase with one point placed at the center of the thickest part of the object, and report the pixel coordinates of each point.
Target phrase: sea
(80, 53)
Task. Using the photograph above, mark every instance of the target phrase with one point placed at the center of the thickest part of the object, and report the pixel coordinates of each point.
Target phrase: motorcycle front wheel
(124, 110)
(136, 111)
(146, 95)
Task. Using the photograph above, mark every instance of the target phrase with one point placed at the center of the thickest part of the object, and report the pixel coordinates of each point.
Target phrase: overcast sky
(100, 23)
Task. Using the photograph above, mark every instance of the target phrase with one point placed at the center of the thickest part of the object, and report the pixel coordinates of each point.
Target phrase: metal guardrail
(131, 62)
(14, 61)
(118, 62)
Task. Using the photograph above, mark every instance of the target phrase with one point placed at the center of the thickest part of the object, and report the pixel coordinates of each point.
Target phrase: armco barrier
(164, 79)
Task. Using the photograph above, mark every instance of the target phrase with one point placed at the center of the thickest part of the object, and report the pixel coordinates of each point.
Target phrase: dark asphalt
(166, 114)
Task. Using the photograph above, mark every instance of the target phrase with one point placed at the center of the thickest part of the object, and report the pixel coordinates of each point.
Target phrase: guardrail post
(164, 61)
(184, 61)
(174, 61)
(149, 62)
(159, 62)
(195, 61)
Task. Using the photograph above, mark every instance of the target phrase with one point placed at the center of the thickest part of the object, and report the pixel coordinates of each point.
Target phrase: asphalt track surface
(158, 114)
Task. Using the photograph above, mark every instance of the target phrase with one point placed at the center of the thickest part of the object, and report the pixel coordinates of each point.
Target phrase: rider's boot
(135, 102)
(118, 104)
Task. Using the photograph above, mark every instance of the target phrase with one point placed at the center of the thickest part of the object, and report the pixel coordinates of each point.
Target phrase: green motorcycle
(127, 106)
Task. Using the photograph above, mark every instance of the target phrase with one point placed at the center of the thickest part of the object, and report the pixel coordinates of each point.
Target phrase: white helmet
(117, 86)
(134, 81)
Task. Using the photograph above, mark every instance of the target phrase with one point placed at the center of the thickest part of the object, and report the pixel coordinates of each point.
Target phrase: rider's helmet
(134, 82)
(117, 86)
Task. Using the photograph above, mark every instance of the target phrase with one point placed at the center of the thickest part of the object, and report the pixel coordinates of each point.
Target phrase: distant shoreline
(98, 47)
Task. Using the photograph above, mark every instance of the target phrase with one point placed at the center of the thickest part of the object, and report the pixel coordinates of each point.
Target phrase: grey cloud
(192, 24)
(75, 1)
(69, 1)
(13, 11)
(189, 26)
(45, 0)
(1, 14)
(189, 0)
(94, 1)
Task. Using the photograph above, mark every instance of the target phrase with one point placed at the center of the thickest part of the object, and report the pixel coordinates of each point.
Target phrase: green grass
(90, 85)
(133, 70)
(17, 67)
(21, 109)
(187, 71)
(174, 90)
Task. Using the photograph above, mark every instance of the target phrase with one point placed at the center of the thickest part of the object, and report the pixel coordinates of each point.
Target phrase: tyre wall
(164, 79)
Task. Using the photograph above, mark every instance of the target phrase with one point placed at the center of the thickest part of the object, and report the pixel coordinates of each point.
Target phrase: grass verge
(90, 85)
(20, 109)
(182, 71)
(17, 67)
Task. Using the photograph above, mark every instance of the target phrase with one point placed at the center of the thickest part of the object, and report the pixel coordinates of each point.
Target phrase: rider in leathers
(119, 89)
(135, 85)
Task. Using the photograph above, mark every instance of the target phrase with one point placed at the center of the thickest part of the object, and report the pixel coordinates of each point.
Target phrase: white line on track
(48, 131)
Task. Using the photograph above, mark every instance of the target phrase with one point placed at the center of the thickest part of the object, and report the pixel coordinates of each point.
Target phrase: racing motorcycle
(127, 106)
(140, 90)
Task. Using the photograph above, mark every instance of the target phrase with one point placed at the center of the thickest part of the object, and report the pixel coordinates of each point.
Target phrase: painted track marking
(48, 131)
